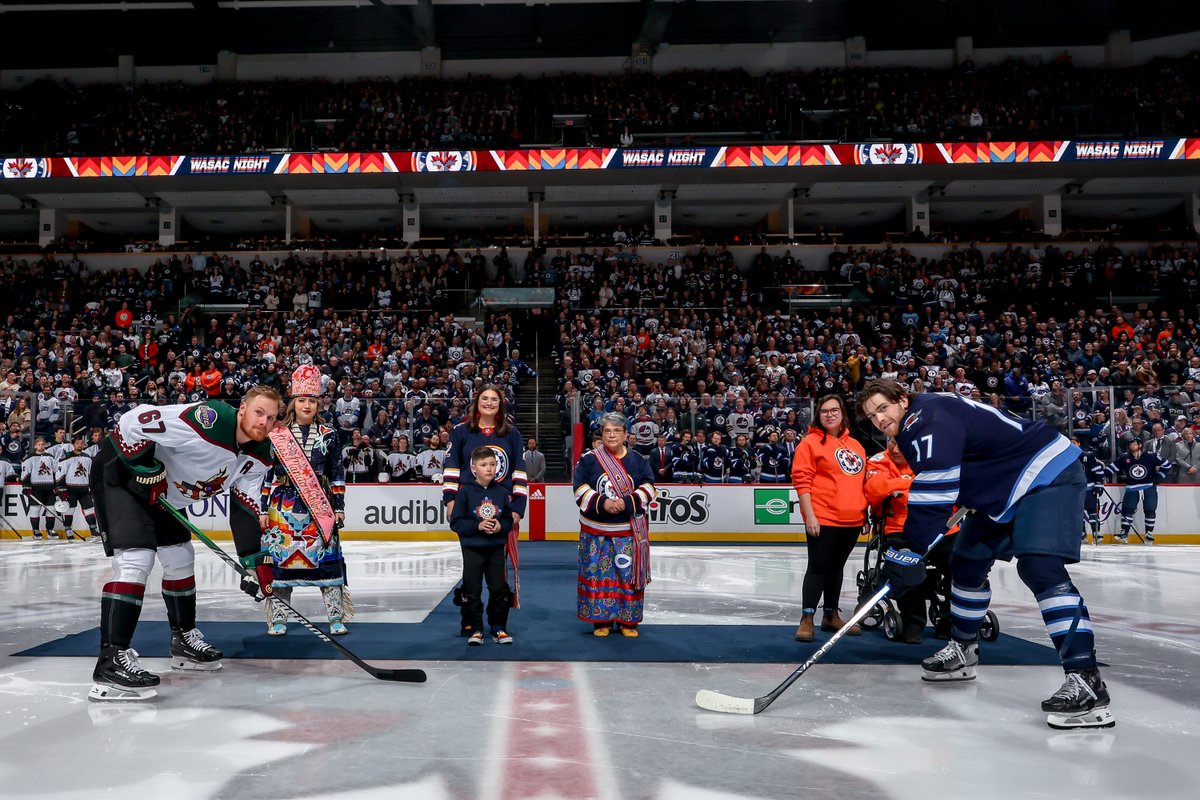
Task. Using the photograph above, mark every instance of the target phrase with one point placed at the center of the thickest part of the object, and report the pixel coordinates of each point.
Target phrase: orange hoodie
(885, 476)
(832, 469)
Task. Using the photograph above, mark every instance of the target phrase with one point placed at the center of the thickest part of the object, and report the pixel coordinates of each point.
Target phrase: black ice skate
(190, 651)
(1081, 702)
(954, 662)
(119, 676)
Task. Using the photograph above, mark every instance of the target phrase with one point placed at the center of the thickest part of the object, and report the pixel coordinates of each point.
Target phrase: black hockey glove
(259, 589)
(903, 569)
(148, 482)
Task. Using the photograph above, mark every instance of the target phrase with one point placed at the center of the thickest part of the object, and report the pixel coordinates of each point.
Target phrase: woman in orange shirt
(889, 476)
(828, 471)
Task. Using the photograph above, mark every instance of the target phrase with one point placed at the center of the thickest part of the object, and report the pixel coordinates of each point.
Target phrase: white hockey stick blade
(724, 703)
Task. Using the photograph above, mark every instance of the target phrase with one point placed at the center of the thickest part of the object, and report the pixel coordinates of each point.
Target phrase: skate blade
(1096, 718)
(186, 665)
(103, 692)
(947, 677)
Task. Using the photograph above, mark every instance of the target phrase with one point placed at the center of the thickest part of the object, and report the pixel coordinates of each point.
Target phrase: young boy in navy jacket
(482, 520)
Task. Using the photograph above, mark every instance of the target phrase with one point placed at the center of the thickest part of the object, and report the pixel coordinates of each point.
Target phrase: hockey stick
(70, 530)
(1117, 508)
(401, 675)
(728, 704)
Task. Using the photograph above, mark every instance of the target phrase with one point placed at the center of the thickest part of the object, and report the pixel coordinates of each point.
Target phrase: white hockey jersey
(38, 471)
(198, 445)
(74, 471)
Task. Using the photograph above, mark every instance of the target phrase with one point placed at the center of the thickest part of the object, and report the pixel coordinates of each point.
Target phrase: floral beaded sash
(621, 481)
(300, 470)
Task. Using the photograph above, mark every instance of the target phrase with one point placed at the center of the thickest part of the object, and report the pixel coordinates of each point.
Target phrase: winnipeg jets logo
(444, 161)
(501, 462)
(605, 488)
(26, 168)
(1138, 472)
(850, 462)
(887, 153)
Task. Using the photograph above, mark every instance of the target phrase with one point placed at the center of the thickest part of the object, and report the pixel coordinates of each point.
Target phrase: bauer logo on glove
(903, 569)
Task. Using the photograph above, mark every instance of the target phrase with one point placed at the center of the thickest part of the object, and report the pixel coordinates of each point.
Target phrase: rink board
(683, 512)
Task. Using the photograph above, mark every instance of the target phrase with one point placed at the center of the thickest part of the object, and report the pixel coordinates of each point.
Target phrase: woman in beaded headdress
(303, 542)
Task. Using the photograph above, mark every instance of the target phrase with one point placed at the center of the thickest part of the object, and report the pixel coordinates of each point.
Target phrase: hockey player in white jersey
(1025, 484)
(73, 479)
(186, 452)
(37, 481)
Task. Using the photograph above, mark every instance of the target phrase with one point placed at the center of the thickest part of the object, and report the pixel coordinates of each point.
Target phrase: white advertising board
(683, 512)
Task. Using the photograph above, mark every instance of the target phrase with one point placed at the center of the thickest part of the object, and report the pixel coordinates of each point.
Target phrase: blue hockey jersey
(1141, 472)
(970, 454)
(1093, 469)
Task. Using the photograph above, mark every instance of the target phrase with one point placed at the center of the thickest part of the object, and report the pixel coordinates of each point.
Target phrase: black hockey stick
(1117, 508)
(402, 675)
(728, 704)
(66, 525)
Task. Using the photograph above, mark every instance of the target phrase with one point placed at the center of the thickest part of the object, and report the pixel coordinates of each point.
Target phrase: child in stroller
(888, 481)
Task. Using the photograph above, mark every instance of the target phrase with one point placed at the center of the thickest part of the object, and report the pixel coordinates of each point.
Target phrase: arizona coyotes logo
(201, 489)
(850, 462)
(44, 469)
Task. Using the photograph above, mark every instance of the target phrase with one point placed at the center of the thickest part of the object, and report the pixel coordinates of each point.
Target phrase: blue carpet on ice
(545, 629)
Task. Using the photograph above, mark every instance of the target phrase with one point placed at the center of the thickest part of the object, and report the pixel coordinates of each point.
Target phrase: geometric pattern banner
(882, 154)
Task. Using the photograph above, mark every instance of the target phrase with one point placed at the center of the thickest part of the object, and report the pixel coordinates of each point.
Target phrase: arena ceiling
(157, 32)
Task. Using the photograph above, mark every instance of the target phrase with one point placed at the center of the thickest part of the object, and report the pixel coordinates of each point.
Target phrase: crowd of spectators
(692, 348)
(80, 347)
(1013, 99)
(689, 347)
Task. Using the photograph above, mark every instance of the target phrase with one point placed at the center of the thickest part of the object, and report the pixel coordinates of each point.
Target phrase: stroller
(886, 614)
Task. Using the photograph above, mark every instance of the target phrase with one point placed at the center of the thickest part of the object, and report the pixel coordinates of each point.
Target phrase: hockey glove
(258, 586)
(903, 569)
(149, 482)
(27, 490)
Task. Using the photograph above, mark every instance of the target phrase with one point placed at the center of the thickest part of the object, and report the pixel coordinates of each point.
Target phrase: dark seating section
(1005, 101)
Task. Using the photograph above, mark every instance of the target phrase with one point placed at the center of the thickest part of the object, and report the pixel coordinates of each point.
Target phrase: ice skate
(1122, 538)
(189, 651)
(954, 662)
(337, 628)
(1149, 540)
(120, 676)
(277, 628)
(1081, 702)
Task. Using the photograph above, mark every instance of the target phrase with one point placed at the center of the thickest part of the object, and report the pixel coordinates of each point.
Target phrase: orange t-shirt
(832, 471)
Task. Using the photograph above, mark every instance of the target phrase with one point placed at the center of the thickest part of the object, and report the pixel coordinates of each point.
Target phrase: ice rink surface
(262, 729)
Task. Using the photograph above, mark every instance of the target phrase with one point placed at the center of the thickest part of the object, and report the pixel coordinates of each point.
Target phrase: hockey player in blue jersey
(1025, 484)
(1093, 470)
(1140, 472)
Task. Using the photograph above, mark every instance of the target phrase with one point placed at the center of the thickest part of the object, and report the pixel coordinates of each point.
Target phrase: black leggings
(827, 556)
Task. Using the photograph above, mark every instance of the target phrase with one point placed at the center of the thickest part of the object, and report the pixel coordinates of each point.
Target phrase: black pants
(827, 556)
(480, 564)
(937, 582)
